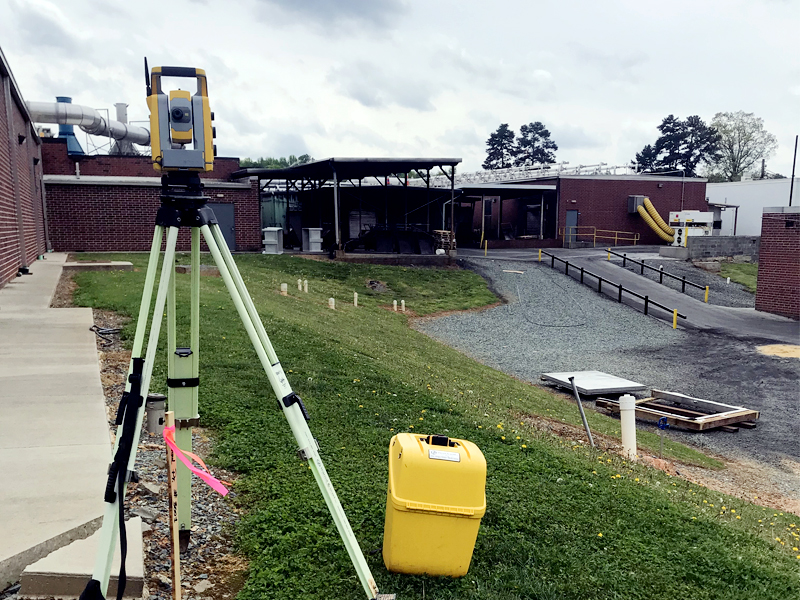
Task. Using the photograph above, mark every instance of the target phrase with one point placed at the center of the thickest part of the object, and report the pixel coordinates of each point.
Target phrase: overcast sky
(424, 78)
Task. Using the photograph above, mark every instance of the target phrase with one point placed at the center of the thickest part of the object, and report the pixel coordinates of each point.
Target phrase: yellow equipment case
(434, 504)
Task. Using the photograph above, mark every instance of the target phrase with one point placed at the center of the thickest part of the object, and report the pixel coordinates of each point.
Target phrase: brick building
(544, 206)
(107, 203)
(778, 288)
(23, 230)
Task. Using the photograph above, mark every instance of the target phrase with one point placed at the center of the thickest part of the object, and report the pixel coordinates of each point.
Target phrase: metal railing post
(641, 271)
(599, 285)
(619, 299)
(624, 258)
(566, 268)
(646, 303)
(661, 274)
(683, 285)
(582, 277)
(552, 261)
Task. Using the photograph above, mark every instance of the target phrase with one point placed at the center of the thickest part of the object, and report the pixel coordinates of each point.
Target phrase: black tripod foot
(183, 540)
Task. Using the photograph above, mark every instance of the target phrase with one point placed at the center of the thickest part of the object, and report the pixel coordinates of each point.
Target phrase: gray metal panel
(197, 117)
(182, 159)
(633, 202)
(226, 217)
(594, 383)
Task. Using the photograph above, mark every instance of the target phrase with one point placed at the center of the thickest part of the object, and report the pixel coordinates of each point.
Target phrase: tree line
(733, 144)
(275, 163)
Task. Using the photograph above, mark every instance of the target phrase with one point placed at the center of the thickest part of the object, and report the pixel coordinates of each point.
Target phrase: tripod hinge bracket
(305, 453)
(293, 398)
(183, 382)
(187, 423)
(175, 216)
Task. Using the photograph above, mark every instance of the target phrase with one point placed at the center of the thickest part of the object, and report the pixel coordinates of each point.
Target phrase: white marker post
(331, 303)
(627, 419)
(284, 289)
(299, 285)
(305, 285)
(355, 298)
(394, 305)
(403, 305)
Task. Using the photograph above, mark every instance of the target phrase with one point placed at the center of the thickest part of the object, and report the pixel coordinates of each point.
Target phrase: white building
(743, 202)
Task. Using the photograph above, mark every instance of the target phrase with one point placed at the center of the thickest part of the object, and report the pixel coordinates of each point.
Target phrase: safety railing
(573, 233)
(618, 287)
(660, 271)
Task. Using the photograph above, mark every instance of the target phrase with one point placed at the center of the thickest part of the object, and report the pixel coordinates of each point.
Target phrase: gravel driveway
(552, 323)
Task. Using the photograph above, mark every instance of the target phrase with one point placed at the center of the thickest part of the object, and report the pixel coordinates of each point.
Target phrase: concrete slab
(65, 572)
(54, 439)
(594, 383)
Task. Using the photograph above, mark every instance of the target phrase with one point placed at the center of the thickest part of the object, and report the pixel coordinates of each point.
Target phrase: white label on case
(283, 383)
(444, 455)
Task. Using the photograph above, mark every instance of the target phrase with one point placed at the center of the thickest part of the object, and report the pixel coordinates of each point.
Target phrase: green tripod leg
(109, 531)
(182, 383)
(291, 404)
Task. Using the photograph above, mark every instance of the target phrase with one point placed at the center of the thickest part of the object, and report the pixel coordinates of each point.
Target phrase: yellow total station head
(181, 134)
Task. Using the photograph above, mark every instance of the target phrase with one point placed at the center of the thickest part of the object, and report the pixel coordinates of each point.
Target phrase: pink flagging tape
(216, 484)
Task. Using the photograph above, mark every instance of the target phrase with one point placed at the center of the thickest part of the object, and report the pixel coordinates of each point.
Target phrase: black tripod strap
(127, 416)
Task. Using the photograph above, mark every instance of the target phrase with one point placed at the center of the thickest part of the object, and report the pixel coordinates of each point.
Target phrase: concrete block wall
(717, 246)
(22, 226)
(778, 290)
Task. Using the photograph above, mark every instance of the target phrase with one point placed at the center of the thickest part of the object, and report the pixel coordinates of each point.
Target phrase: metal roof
(348, 168)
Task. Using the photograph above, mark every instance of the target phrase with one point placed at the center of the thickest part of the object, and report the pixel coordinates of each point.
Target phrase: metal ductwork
(88, 119)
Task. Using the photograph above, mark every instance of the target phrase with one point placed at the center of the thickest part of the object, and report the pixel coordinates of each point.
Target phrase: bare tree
(743, 143)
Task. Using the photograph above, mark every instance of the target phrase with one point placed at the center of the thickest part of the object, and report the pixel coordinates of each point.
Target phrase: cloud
(42, 24)
(611, 66)
(375, 86)
(459, 137)
(571, 137)
(371, 13)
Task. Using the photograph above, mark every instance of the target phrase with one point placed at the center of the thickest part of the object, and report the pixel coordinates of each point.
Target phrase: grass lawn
(744, 273)
(562, 521)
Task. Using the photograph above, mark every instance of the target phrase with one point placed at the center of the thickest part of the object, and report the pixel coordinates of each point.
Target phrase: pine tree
(501, 149)
(534, 146)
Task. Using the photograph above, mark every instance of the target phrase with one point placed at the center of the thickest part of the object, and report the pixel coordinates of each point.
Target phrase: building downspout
(12, 156)
(336, 208)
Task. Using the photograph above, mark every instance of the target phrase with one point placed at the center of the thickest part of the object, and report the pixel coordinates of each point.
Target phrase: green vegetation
(562, 521)
(744, 273)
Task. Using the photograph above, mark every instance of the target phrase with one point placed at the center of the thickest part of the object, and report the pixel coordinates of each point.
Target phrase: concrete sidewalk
(54, 438)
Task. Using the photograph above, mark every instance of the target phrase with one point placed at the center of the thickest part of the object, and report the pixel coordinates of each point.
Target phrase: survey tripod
(183, 205)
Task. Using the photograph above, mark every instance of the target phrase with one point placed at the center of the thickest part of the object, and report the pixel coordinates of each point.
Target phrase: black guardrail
(660, 271)
(618, 286)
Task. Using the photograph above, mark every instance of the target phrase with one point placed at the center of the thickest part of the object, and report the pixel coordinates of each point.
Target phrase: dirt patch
(782, 350)
(377, 286)
(749, 480)
(447, 313)
(62, 298)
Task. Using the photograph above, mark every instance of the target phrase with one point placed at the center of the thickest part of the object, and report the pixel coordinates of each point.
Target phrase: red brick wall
(120, 218)
(116, 218)
(778, 288)
(18, 156)
(58, 162)
(603, 203)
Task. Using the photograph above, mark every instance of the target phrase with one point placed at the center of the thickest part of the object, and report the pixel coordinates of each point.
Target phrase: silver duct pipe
(88, 119)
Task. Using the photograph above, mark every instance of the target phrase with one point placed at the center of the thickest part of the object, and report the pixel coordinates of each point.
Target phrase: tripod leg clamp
(295, 399)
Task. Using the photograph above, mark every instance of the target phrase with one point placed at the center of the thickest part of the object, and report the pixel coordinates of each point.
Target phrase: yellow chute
(657, 217)
(653, 225)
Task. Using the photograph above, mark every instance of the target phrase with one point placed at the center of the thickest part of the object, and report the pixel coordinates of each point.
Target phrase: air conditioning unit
(633, 202)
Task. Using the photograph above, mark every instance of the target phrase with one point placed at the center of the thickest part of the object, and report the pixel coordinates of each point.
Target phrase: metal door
(225, 217)
(571, 228)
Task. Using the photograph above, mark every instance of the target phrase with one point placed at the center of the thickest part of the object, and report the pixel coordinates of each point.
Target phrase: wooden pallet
(686, 412)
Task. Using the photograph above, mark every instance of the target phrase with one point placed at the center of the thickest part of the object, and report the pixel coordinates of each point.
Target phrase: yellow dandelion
(518, 437)
(524, 446)
(502, 437)
(637, 479)
(599, 535)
